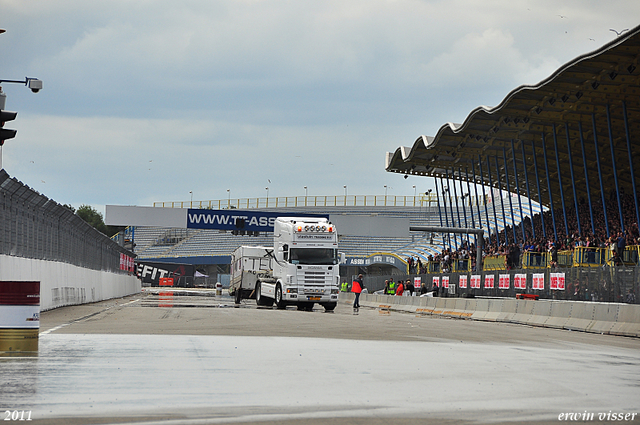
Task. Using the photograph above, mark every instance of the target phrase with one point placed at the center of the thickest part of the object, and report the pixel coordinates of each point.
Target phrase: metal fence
(605, 284)
(34, 226)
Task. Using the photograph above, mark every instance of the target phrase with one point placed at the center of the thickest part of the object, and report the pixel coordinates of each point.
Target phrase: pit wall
(64, 284)
(603, 318)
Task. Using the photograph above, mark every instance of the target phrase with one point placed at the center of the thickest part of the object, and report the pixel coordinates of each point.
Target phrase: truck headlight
(292, 290)
(335, 290)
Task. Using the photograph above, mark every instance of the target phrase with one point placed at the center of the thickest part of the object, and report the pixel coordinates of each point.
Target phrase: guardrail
(316, 201)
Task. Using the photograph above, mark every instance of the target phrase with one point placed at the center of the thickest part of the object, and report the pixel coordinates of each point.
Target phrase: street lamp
(267, 189)
(191, 192)
(35, 85)
(345, 191)
(229, 195)
(305, 191)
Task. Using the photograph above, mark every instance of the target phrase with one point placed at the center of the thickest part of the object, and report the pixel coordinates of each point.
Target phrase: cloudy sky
(149, 100)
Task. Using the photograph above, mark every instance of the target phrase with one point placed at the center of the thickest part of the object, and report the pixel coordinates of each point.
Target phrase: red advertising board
(417, 282)
(520, 281)
(488, 281)
(538, 281)
(504, 281)
(475, 281)
(445, 281)
(436, 280)
(462, 283)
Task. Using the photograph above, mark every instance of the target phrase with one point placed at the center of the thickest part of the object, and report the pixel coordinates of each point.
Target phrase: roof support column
(453, 218)
(504, 216)
(633, 174)
(564, 209)
(535, 166)
(493, 202)
(573, 179)
(604, 204)
(546, 168)
(586, 177)
(484, 196)
(464, 211)
(455, 196)
(506, 173)
(615, 171)
(475, 187)
(435, 179)
(515, 173)
(526, 177)
(473, 222)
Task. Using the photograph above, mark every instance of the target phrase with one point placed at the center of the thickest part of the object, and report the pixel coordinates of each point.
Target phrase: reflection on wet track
(197, 379)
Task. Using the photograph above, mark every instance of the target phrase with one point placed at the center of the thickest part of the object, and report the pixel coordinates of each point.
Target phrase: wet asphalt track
(194, 358)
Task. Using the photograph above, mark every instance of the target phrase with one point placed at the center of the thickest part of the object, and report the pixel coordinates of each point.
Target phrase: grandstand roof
(581, 98)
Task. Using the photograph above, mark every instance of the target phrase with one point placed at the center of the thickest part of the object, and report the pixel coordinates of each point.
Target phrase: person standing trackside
(356, 288)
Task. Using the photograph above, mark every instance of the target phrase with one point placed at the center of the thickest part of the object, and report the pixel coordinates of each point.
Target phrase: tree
(94, 218)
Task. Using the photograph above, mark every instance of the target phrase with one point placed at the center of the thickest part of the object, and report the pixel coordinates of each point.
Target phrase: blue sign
(231, 219)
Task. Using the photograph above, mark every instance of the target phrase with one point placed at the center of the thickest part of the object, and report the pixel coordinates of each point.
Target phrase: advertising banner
(504, 281)
(445, 281)
(475, 281)
(232, 219)
(488, 281)
(463, 281)
(417, 282)
(538, 281)
(556, 281)
(520, 281)
(152, 272)
(436, 281)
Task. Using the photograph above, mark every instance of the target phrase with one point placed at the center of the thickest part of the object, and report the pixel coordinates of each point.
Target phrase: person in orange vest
(400, 289)
(356, 287)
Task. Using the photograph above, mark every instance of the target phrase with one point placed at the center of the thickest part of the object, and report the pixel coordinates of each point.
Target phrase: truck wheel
(238, 295)
(329, 306)
(280, 303)
(259, 299)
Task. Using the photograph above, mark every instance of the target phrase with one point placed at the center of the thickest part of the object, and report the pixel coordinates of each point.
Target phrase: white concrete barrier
(604, 317)
(581, 318)
(617, 319)
(508, 310)
(559, 314)
(64, 284)
(628, 321)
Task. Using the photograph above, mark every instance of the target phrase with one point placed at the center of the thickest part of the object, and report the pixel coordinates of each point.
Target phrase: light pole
(229, 197)
(305, 191)
(32, 83)
(345, 192)
(191, 192)
(267, 189)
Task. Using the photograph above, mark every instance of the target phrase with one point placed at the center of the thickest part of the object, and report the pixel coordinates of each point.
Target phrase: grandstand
(210, 249)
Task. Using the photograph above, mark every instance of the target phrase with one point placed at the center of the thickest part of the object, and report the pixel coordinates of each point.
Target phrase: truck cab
(306, 265)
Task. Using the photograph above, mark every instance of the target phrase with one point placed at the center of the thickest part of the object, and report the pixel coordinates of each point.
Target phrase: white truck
(301, 269)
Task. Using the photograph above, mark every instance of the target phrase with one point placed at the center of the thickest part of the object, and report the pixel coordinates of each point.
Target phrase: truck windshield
(324, 256)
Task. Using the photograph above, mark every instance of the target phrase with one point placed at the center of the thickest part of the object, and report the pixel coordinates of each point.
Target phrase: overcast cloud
(148, 100)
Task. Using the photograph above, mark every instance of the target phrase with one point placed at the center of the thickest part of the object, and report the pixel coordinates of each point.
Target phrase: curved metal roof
(557, 118)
